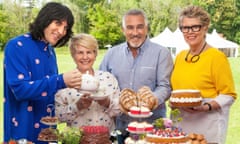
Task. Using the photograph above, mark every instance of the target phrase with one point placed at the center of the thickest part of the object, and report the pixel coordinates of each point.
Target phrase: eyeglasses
(194, 28)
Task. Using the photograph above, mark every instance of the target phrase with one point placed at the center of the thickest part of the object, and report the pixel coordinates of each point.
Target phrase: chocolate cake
(95, 135)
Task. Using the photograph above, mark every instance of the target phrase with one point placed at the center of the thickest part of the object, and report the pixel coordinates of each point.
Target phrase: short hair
(52, 11)
(86, 40)
(195, 12)
(134, 12)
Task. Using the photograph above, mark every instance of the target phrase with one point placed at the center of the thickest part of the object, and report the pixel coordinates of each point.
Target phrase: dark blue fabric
(30, 81)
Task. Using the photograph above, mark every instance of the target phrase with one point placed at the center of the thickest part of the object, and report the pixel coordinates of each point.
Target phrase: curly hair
(50, 12)
(195, 12)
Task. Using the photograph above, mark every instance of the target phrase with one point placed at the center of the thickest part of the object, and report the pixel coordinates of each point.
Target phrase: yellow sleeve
(222, 75)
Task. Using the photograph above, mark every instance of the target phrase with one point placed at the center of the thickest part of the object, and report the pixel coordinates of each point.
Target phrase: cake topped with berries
(168, 135)
(167, 131)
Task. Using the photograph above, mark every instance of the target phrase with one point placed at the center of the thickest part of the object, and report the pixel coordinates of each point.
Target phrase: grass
(65, 63)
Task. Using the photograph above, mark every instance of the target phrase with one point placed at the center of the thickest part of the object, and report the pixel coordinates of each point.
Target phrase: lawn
(65, 63)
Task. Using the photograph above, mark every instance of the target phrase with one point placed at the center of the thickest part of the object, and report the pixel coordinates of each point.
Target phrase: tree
(162, 14)
(3, 28)
(102, 18)
(14, 21)
(224, 16)
(104, 25)
(236, 22)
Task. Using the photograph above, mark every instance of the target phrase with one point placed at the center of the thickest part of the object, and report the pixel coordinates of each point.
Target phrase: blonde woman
(79, 108)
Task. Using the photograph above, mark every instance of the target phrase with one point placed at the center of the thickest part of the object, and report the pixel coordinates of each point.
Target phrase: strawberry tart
(168, 135)
(166, 132)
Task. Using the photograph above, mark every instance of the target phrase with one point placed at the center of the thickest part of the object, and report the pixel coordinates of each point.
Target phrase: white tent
(175, 40)
(215, 40)
(179, 41)
(164, 38)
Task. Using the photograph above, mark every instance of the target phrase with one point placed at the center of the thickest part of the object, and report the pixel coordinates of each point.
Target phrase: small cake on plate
(132, 126)
(139, 127)
(134, 110)
(185, 98)
(148, 127)
(144, 110)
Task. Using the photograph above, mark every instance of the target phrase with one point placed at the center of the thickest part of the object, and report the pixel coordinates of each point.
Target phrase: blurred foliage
(225, 16)
(102, 18)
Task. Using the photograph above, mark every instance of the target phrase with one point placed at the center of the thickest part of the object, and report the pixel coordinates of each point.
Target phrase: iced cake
(185, 98)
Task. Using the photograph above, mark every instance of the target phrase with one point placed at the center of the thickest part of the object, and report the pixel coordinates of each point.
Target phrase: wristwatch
(209, 106)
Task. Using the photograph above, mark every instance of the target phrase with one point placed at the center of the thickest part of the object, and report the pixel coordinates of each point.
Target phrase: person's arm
(223, 79)
(65, 105)
(111, 103)
(20, 77)
(164, 70)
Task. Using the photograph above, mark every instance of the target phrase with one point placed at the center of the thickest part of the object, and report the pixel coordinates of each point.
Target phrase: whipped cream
(185, 100)
(185, 90)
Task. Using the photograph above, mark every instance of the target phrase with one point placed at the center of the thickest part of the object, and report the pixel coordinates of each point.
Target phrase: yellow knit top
(211, 74)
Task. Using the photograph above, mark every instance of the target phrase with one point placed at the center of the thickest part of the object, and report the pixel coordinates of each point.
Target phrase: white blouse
(95, 115)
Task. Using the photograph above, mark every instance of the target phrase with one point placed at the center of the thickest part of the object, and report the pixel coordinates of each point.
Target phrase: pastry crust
(128, 98)
(48, 134)
(167, 140)
(48, 120)
(143, 97)
(197, 138)
(146, 98)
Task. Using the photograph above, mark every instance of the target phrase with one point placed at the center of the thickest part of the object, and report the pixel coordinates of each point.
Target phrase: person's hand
(84, 102)
(197, 109)
(73, 79)
(104, 102)
(189, 109)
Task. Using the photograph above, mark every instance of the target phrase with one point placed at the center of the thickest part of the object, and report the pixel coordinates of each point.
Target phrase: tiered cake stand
(51, 122)
(139, 118)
